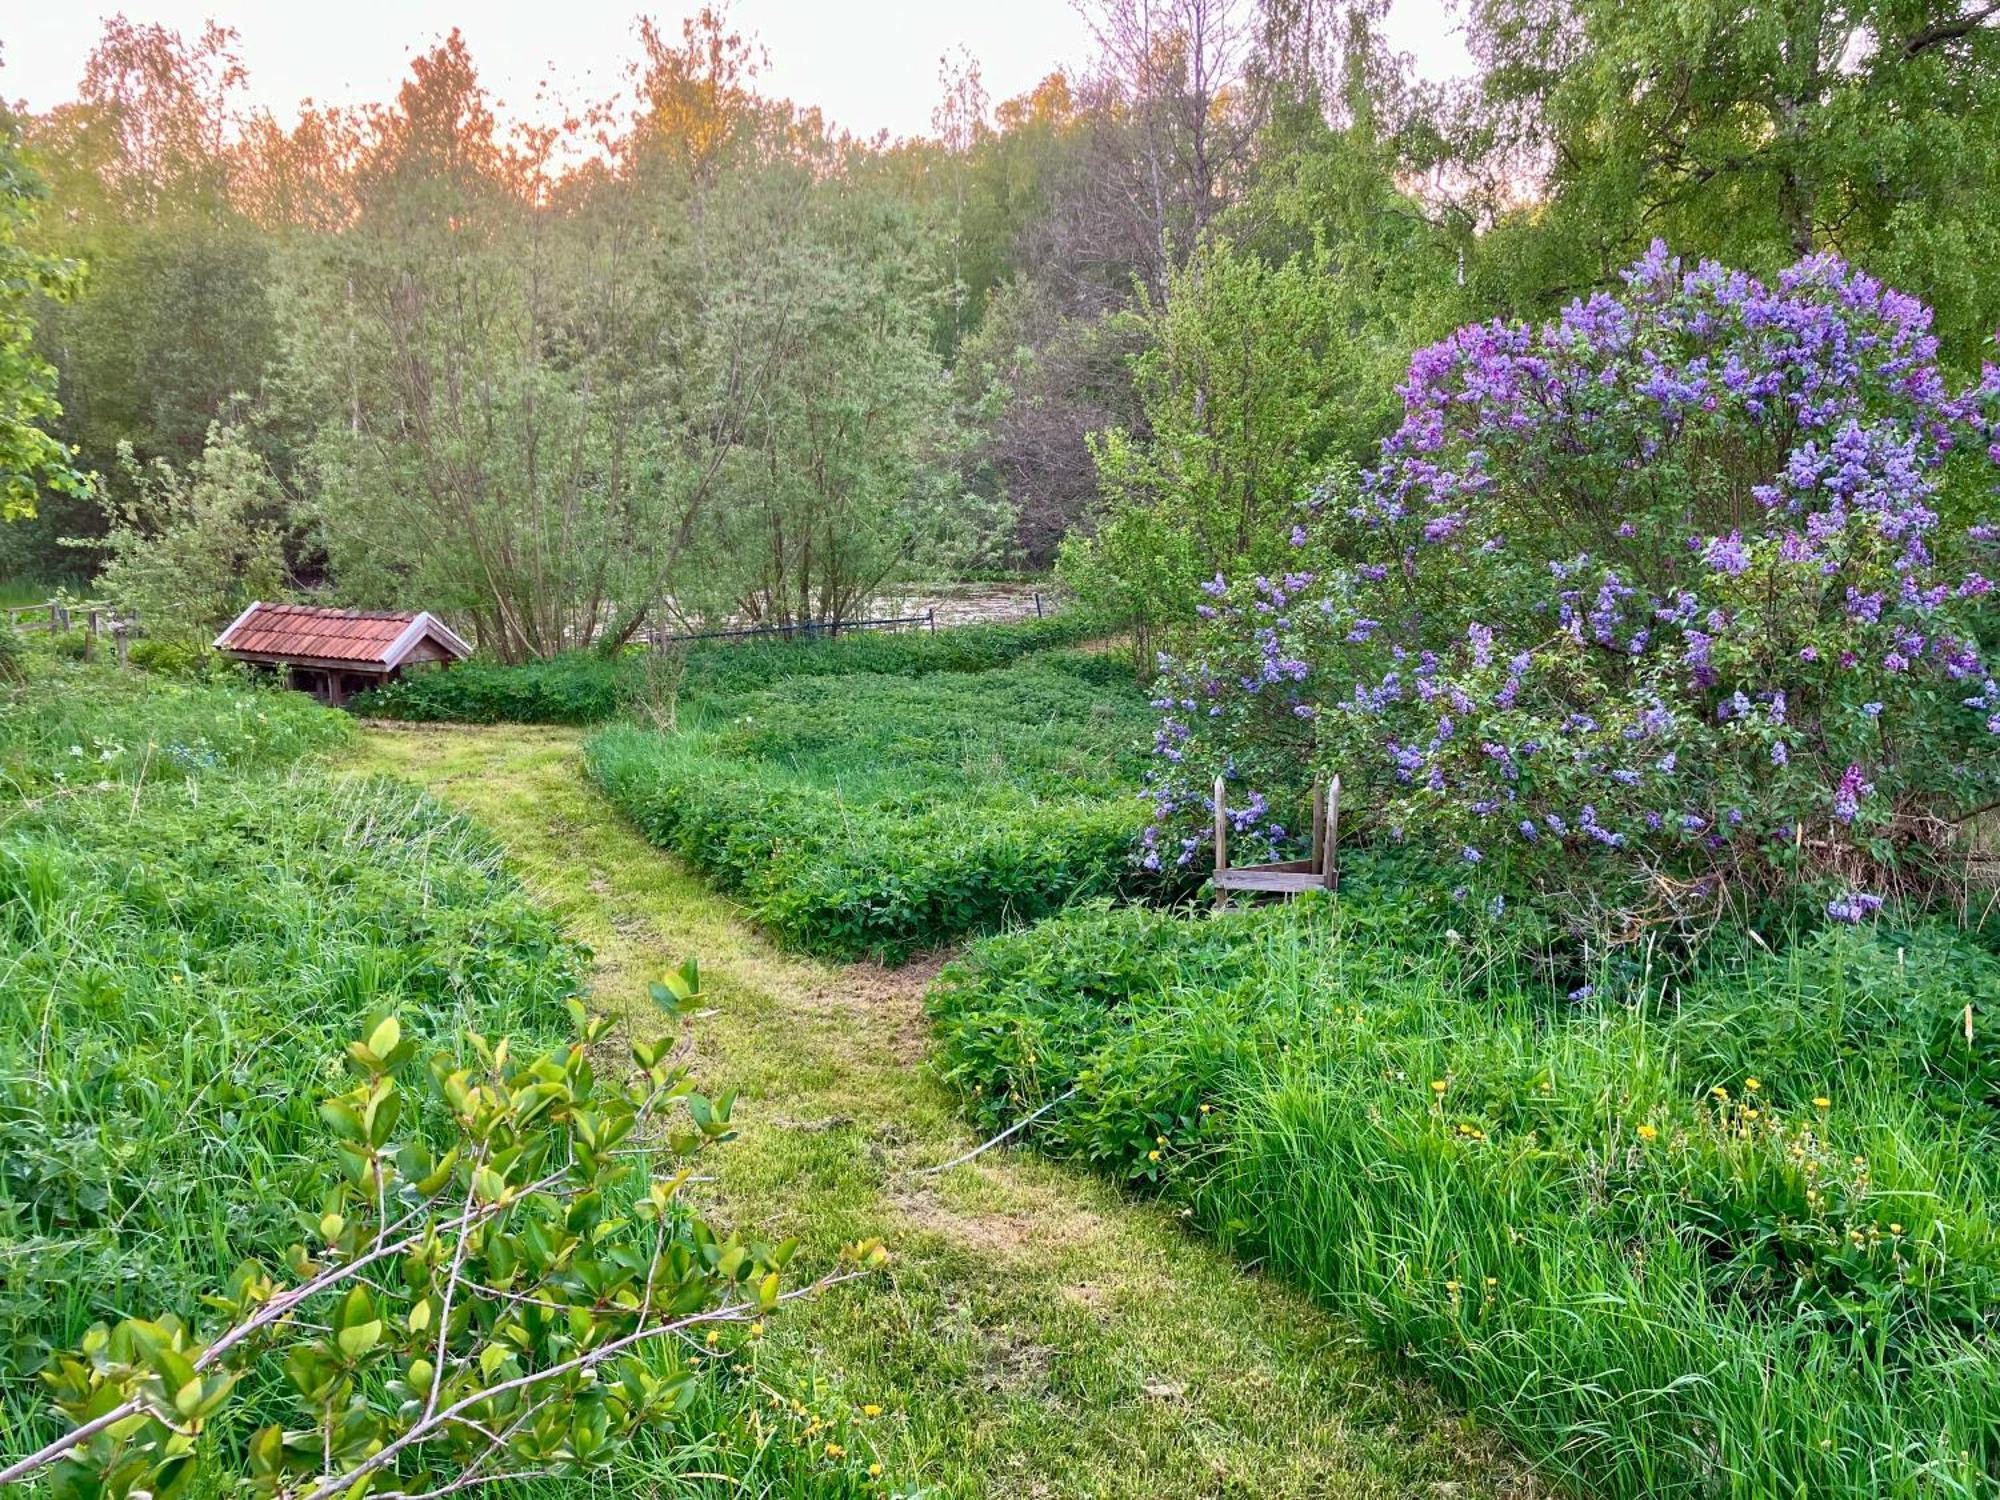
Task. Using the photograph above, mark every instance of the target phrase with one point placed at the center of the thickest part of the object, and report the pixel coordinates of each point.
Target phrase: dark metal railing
(806, 630)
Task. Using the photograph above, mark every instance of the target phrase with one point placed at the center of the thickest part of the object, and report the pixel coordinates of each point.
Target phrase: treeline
(694, 351)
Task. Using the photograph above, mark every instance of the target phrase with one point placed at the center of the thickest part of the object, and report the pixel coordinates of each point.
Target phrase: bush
(170, 657)
(179, 972)
(1669, 607)
(585, 688)
(578, 688)
(878, 814)
(1736, 1239)
(409, 1340)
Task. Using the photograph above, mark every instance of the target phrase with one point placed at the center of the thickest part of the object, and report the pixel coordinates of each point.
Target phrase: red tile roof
(334, 637)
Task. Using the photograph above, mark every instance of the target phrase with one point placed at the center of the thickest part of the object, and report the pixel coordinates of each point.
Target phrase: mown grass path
(1038, 1333)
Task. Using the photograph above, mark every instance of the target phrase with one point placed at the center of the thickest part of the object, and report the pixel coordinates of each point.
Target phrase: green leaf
(358, 1338)
(385, 1038)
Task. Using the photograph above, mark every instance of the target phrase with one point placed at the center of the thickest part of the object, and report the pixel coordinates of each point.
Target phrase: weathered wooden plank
(1262, 878)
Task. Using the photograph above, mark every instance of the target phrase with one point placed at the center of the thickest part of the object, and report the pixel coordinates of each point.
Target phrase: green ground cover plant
(589, 688)
(195, 921)
(1731, 1238)
(874, 814)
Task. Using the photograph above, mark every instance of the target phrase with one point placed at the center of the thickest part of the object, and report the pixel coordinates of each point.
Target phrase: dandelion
(756, 1330)
(1159, 1140)
(1649, 1132)
(874, 1471)
(1752, 1085)
(1820, 1101)
(1437, 1085)
(834, 1450)
(714, 1338)
(1493, 1281)
(1895, 1229)
(1152, 1156)
(1720, 1092)
(871, 1410)
(1207, 1108)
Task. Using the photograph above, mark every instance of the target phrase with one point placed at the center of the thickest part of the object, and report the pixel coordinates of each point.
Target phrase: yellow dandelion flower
(1895, 1229)
(871, 1410)
(1820, 1101)
(834, 1450)
(1152, 1156)
(1206, 1108)
(713, 1338)
(756, 1330)
(1749, 1114)
(1649, 1132)
(1493, 1281)
(1720, 1092)
(1159, 1140)
(1752, 1085)
(874, 1471)
(1452, 1287)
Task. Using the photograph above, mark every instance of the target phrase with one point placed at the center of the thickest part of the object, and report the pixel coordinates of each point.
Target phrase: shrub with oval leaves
(1672, 604)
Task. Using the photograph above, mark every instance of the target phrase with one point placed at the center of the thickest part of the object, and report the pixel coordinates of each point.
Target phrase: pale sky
(869, 64)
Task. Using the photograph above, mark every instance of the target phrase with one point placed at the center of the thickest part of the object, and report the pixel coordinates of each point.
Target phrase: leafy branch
(505, 1309)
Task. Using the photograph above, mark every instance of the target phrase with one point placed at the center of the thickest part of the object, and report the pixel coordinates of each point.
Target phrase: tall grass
(1734, 1240)
(194, 918)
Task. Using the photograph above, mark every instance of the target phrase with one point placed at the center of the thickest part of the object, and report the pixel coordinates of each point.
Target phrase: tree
(174, 329)
(497, 367)
(831, 484)
(186, 549)
(30, 456)
(1754, 132)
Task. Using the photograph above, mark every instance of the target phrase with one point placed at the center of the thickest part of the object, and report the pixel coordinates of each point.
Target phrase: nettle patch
(1672, 604)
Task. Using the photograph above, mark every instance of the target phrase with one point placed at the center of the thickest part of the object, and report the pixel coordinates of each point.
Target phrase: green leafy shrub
(586, 688)
(524, 1298)
(880, 814)
(1734, 1238)
(191, 930)
(178, 969)
(171, 657)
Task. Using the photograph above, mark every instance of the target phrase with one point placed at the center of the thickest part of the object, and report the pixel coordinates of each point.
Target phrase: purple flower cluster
(1745, 632)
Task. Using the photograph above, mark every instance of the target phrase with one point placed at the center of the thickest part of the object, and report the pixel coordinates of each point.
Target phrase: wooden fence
(95, 617)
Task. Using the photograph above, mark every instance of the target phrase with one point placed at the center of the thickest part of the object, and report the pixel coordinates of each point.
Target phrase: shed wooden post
(1330, 862)
(1221, 845)
(1318, 845)
(118, 635)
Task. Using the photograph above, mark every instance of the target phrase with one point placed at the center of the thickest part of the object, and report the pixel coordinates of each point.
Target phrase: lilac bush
(1674, 601)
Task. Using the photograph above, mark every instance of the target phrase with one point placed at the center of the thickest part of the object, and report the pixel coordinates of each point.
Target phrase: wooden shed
(336, 653)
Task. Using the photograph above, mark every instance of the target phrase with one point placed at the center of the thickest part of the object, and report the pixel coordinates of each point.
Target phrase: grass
(586, 688)
(880, 815)
(195, 916)
(1732, 1239)
(1039, 1334)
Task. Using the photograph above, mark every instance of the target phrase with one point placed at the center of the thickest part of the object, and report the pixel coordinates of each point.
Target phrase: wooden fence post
(1221, 845)
(1330, 866)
